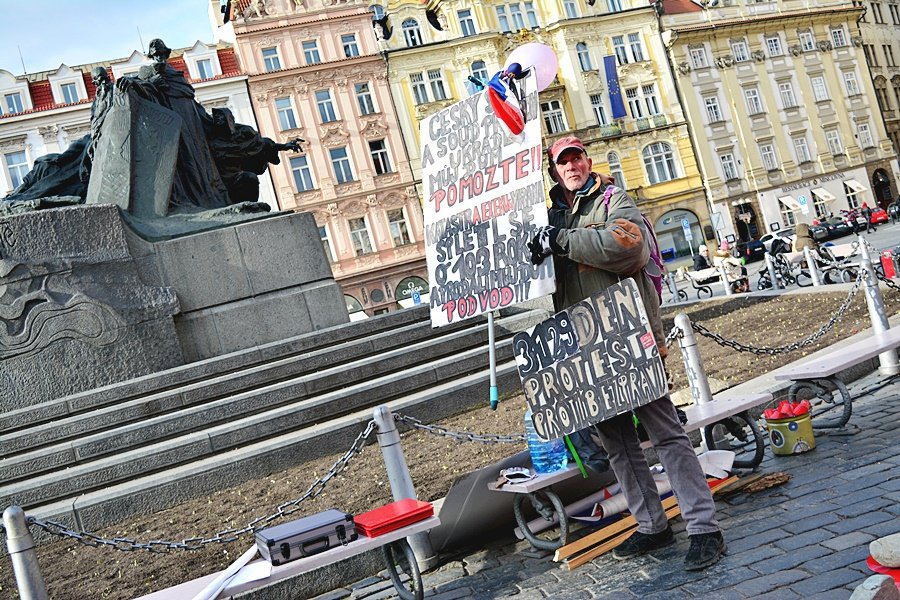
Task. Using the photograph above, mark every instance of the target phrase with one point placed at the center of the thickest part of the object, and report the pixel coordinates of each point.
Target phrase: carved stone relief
(758, 55)
(345, 189)
(333, 135)
(16, 142)
(684, 67)
(724, 62)
(824, 46)
(49, 132)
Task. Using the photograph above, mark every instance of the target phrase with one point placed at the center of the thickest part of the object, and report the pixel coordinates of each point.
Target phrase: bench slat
(838, 360)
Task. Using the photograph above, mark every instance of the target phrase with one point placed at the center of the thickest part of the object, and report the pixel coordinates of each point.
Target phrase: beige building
(315, 73)
(783, 110)
(432, 48)
(879, 26)
(42, 113)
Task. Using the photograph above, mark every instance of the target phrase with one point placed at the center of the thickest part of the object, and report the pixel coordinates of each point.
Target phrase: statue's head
(158, 50)
(99, 76)
(223, 119)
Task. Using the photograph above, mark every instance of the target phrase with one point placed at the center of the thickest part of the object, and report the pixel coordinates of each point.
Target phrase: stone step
(146, 493)
(267, 384)
(116, 463)
(202, 371)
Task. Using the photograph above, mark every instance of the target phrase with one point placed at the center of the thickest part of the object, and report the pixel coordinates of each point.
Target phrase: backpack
(654, 268)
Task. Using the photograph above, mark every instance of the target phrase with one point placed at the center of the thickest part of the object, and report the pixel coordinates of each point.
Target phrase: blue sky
(74, 32)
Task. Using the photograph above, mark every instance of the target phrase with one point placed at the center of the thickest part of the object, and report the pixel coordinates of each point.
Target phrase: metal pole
(21, 552)
(888, 361)
(770, 265)
(400, 480)
(723, 273)
(492, 360)
(811, 265)
(693, 366)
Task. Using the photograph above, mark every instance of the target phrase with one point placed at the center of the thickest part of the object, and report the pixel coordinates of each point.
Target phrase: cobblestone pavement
(806, 539)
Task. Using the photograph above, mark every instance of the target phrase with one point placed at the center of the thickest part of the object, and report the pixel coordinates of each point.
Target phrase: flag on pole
(612, 82)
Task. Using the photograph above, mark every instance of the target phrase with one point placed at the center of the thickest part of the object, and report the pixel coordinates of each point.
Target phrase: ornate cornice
(333, 134)
(14, 142)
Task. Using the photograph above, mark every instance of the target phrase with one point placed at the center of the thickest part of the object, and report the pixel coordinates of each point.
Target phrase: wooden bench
(707, 416)
(260, 572)
(817, 378)
(703, 280)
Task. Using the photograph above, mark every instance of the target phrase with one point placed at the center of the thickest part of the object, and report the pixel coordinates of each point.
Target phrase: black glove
(544, 243)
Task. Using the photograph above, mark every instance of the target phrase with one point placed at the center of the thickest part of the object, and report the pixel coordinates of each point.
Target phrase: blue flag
(612, 82)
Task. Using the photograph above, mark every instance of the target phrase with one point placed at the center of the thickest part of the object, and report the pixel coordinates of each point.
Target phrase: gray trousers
(676, 454)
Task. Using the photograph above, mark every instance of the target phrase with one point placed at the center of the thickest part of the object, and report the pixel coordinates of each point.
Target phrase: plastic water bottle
(546, 457)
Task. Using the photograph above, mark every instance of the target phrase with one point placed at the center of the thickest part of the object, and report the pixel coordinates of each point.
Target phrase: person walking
(804, 239)
(594, 244)
(867, 213)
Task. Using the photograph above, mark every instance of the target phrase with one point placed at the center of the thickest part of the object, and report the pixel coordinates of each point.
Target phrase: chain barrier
(675, 334)
(888, 281)
(811, 339)
(222, 537)
(459, 436)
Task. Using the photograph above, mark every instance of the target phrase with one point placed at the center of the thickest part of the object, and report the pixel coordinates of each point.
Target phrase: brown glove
(625, 233)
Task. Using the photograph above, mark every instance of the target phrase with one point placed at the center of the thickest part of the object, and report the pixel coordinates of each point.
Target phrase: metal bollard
(673, 286)
(21, 552)
(770, 266)
(811, 265)
(693, 366)
(723, 273)
(888, 361)
(400, 480)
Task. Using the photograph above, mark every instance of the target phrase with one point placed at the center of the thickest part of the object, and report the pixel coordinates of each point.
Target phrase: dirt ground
(76, 572)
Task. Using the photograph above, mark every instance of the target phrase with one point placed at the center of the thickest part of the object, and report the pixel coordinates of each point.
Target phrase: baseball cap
(563, 144)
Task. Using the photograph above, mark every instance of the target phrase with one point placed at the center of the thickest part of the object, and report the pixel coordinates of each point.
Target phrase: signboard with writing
(593, 361)
(484, 199)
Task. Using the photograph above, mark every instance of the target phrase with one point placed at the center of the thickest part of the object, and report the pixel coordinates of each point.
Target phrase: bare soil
(76, 572)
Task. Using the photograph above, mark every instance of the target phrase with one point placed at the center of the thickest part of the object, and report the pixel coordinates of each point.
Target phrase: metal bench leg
(752, 446)
(401, 561)
(825, 395)
(545, 502)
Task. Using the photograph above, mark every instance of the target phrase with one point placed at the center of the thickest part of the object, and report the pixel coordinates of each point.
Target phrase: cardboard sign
(590, 362)
(484, 200)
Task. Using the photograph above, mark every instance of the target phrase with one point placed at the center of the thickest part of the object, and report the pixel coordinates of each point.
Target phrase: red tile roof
(89, 85)
(41, 95)
(675, 7)
(228, 62)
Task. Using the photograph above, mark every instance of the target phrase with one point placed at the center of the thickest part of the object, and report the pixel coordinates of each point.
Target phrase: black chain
(222, 537)
(888, 281)
(769, 351)
(460, 436)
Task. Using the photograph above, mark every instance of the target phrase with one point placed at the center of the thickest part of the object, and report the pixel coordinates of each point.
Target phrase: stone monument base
(85, 302)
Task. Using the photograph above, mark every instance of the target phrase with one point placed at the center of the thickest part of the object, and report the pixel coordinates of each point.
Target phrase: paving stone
(825, 581)
(751, 557)
(804, 539)
(860, 522)
(849, 540)
(667, 595)
(371, 589)
(882, 529)
(837, 560)
(809, 523)
(338, 594)
(891, 485)
(718, 580)
(457, 594)
(561, 590)
(537, 581)
(790, 560)
(781, 594)
(766, 583)
(865, 507)
(754, 541)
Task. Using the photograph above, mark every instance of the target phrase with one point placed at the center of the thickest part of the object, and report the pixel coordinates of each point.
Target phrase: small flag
(612, 82)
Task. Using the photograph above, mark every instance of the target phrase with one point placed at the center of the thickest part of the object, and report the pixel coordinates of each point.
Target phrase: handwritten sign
(590, 362)
(484, 200)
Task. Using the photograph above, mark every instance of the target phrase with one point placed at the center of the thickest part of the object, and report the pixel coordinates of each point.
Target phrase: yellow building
(783, 110)
(432, 48)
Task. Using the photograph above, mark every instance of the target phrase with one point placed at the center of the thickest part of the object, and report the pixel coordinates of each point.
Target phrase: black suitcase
(305, 537)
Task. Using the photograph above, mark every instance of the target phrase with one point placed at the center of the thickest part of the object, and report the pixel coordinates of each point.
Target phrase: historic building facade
(315, 72)
(879, 26)
(433, 47)
(42, 113)
(783, 111)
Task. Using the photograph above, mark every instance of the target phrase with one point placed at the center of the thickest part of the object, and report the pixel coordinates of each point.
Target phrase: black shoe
(642, 543)
(706, 549)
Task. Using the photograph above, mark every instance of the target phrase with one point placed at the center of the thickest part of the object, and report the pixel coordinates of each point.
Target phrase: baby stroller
(783, 272)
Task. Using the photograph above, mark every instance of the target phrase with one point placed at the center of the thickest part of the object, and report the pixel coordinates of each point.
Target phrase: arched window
(377, 12)
(411, 33)
(659, 162)
(479, 71)
(615, 170)
(584, 57)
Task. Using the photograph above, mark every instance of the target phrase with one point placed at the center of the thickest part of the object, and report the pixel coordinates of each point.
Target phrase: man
(593, 247)
(701, 259)
(867, 214)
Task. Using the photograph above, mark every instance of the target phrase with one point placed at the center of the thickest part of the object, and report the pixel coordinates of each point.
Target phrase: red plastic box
(393, 516)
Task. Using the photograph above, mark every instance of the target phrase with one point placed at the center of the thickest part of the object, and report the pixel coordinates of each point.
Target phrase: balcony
(642, 124)
(610, 130)
(659, 120)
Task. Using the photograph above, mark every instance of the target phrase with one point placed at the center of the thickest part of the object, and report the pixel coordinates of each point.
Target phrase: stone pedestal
(84, 302)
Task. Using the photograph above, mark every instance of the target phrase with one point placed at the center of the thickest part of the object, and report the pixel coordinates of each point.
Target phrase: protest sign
(484, 200)
(593, 361)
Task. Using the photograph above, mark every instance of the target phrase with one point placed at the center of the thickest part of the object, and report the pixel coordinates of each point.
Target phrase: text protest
(590, 362)
(484, 200)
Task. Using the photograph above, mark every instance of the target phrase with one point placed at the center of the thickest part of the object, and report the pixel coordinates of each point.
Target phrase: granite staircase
(97, 457)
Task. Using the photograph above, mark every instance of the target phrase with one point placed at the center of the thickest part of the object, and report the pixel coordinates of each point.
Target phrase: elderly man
(594, 244)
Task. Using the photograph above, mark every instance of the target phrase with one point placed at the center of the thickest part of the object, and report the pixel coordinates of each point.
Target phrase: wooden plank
(593, 553)
(602, 534)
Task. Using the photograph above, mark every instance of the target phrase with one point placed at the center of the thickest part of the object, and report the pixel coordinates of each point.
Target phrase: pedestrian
(867, 213)
(595, 244)
(804, 239)
(701, 259)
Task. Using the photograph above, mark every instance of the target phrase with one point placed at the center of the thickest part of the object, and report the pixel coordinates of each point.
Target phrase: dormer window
(13, 103)
(411, 33)
(69, 93)
(204, 68)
